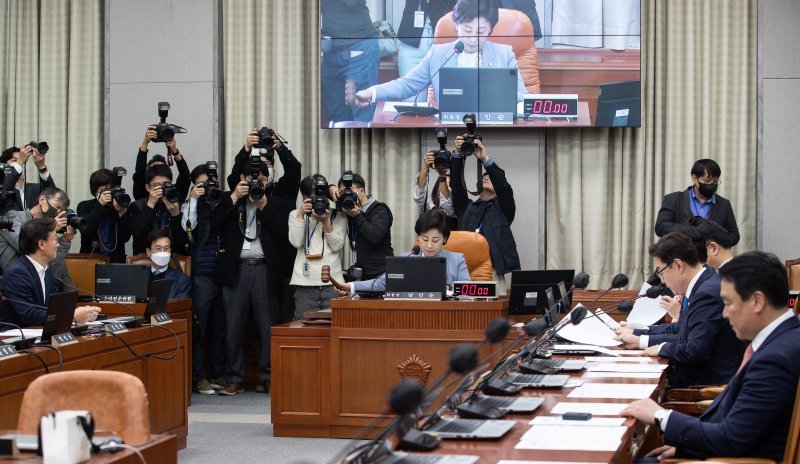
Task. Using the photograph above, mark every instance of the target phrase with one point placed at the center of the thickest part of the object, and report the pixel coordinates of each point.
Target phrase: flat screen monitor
(528, 289)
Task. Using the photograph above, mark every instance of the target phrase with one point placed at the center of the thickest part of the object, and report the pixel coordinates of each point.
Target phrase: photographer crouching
(107, 219)
(493, 212)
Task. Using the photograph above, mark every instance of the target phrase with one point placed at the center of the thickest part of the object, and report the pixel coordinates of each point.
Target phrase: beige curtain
(271, 78)
(699, 101)
(51, 77)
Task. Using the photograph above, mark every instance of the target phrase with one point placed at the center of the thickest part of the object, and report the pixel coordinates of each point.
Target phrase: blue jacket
(751, 416)
(706, 351)
(21, 282)
(456, 271)
(181, 283)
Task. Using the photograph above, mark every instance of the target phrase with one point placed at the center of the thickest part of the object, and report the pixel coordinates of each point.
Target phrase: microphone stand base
(532, 368)
(19, 343)
(498, 387)
(416, 440)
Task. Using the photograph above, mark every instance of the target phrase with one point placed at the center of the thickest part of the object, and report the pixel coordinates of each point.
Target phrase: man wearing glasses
(701, 345)
(159, 250)
(700, 199)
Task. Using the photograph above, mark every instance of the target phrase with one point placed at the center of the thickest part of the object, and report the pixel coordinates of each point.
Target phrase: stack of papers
(563, 437)
(596, 409)
(646, 311)
(595, 348)
(591, 331)
(622, 375)
(627, 367)
(29, 333)
(633, 359)
(632, 391)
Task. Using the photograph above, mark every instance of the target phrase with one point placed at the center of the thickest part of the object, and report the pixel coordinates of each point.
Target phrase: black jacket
(32, 191)
(21, 283)
(204, 242)
(493, 217)
(144, 219)
(372, 231)
(288, 186)
(182, 183)
(116, 234)
(676, 209)
(434, 10)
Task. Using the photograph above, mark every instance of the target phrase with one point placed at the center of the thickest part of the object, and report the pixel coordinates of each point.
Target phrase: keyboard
(501, 402)
(460, 426)
(537, 380)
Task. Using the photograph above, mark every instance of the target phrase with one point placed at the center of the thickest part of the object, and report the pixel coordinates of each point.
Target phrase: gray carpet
(229, 430)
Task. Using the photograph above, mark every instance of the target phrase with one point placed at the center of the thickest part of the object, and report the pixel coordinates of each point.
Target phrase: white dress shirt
(39, 270)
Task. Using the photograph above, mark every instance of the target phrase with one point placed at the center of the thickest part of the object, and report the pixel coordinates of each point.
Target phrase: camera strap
(352, 235)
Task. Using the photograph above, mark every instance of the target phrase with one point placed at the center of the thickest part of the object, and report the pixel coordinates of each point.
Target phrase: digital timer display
(475, 289)
(551, 105)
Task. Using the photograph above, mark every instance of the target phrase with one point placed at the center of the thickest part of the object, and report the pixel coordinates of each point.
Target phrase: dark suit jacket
(676, 209)
(751, 416)
(32, 191)
(706, 351)
(21, 283)
(181, 283)
(119, 230)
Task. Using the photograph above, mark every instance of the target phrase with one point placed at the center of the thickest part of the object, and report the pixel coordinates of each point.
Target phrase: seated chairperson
(30, 282)
(26, 193)
(751, 416)
(432, 233)
(701, 345)
(155, 212)
(439, 196)
(159, 251)
(319, 241)
(718, 244)
(107, 223)
(52, 203)
(142, 165)
(700, 199)
(474, 21)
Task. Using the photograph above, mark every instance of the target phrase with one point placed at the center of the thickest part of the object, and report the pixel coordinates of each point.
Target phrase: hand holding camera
(104, 198)
(198, 191)
(149, 135)
(242, 190)
(305, 209)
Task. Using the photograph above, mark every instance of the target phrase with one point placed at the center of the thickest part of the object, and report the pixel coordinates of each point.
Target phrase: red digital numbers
(474, 290)
(549, 107)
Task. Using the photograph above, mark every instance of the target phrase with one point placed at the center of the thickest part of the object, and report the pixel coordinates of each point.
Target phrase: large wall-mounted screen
(520, 63)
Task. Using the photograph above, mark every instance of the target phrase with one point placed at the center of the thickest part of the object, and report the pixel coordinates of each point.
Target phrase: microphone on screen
(415, 250)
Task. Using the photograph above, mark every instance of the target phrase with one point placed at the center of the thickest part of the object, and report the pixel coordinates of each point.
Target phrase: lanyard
(242, 218)
(310, 235)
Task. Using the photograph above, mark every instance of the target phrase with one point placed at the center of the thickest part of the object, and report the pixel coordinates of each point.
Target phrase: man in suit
(751, 416)
(26, 193)
(159, 250)
(701, 345)
(700, 199)
(157, 211)
(718, 244)
(29, 283)
(474, 21)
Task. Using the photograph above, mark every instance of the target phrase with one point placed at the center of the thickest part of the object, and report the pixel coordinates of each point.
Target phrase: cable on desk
(150, 354)
(36, 355)
(60, 357)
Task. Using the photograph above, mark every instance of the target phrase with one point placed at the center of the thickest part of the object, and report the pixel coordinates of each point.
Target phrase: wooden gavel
(326, 278)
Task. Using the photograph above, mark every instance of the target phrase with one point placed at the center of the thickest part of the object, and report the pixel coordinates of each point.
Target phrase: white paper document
(632, 391)
(630, 359)
(626, 367)
(596, 409)
(622, 375)
(594, 421)
(646, 311)
(572, 383)
(29, 333)
(607, 320)
(556, 437)
(591, 331)
(596, 348)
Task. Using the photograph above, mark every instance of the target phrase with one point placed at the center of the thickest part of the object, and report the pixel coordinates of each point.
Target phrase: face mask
(51, 212)
(707, 190)
(160, 259)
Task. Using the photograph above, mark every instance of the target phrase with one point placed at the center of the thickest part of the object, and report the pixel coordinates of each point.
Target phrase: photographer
(439, 196)
(26, 194)
(369, 228)
(492, 213)
(206, 293)
(319, 241)
(160, 210)
(107, 222)
(142, 165)
(253, 228)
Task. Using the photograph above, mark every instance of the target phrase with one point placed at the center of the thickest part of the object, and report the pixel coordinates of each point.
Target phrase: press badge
(246, 245)
(305, 270)
(419, 19)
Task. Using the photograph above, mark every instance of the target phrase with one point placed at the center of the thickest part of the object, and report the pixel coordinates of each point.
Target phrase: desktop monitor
(528, 289)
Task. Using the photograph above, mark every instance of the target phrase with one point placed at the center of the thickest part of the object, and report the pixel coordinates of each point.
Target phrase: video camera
(41, 147)
(117, 192)
(256, 187)
(348, 199)
(165, 132)
(319, 202)
(468, 147)
(442, 156)
(213, 193)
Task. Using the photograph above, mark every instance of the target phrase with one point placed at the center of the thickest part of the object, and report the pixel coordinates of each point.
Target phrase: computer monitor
(619, 104)
(494, 101)
(158, 296)
(416, 277)
(122, 280)
(60, 314)
(528, 289)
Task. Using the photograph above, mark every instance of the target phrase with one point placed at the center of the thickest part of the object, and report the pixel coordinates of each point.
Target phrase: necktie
(684, 304)
(748, 353)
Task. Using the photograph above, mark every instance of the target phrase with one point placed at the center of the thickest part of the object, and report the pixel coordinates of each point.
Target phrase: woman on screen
(432, 233)
(474, 21)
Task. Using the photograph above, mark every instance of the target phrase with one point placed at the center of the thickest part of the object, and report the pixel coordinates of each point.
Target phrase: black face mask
(707, 190)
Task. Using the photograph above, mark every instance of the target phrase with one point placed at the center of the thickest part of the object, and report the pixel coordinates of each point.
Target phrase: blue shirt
(698, 207)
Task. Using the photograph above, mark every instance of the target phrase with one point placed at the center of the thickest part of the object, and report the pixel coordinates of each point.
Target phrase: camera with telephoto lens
(442, 156)
(213, 193)
(165, 132)
(468, 147)
(170, 192)
(74, 221)
(348, 199)
(255, 185)
(266, 138)
(41, 147)
(117, 192)
(319, 202)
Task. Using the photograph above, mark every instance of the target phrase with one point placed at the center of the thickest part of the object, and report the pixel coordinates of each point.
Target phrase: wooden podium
(330, 381)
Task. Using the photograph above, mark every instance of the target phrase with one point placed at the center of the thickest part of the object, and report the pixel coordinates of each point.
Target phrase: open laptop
(60, 314)
(619, 104)
(510, 404)
(470, 428)
(415, 277)
(490, 93)
(122, 280)
(399, 457)
(158, 297)
(528, 289)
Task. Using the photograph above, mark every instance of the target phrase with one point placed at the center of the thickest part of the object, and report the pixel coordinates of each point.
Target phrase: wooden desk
(164, 381)
(160, 449)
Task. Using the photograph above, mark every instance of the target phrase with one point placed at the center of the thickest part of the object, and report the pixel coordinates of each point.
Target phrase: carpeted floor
(231, 430)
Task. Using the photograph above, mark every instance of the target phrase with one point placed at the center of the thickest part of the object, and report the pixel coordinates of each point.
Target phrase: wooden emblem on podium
(414, 368)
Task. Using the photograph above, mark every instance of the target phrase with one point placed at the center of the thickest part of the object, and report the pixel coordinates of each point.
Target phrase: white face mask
(160, 259)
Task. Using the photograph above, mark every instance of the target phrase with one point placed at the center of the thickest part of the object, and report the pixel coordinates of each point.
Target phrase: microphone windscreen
(459, 47)
(581, 281)
(625, 306)
(497, 330)
(655, 291)
(535, 327)
(415, 250)
(619, 281)
(577, 315)
(463, 358)
(405, 397)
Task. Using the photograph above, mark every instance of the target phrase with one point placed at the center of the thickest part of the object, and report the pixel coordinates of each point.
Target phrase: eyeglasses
(660, 270)
(160, 249)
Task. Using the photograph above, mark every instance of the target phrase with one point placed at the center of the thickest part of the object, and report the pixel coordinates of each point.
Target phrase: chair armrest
(688, 407)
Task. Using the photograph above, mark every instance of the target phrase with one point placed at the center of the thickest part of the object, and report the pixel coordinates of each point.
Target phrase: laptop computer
(415, 278)
(619, 104)
(490, 93)
(158, 296)
(470, 428)
(511, 404)
(122, 280)
(537, 380)
(399, 457)
(528, 289)
(60, 314)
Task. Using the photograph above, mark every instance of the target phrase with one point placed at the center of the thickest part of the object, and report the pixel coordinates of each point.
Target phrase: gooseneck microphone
(21, 342)
(458, 47)
(618, 281)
